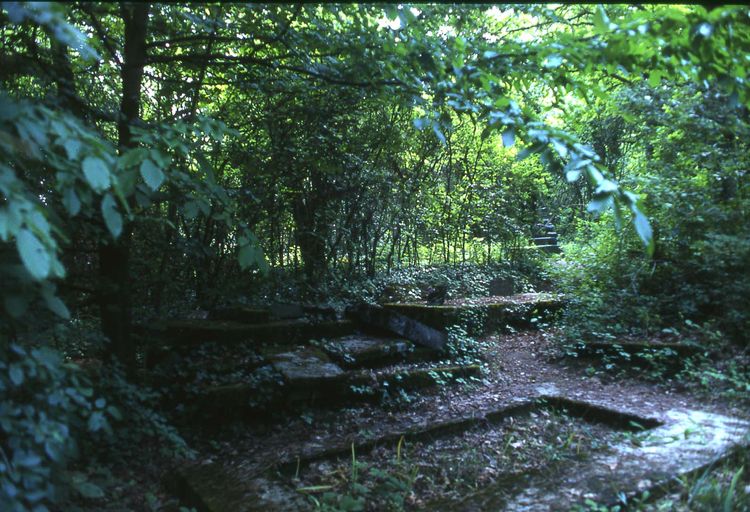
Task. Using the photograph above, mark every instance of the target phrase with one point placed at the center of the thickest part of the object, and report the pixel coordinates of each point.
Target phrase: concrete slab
(304, 366)
(689, 441)
(400, 325)
(368, 351)
(680, 442)
(516, 311)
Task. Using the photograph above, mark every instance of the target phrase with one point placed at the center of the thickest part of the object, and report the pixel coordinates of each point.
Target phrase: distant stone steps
(545, 238)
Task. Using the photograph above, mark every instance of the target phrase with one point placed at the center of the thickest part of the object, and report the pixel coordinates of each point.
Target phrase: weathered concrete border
(497, 315)
(688, 442)
(678, 442)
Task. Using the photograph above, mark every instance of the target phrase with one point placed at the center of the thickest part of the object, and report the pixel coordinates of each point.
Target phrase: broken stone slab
(518, 312)
(686, 443)
(309, 378)
(302, 367)
(364, 351)
(240, 482)
(401, 325)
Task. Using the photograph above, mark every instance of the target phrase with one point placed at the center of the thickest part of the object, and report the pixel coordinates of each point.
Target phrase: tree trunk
(114, 255)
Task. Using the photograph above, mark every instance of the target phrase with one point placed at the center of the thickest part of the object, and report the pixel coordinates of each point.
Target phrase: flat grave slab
(500, 311)
(672, 444)
(399, 324)
(303, 366)
(687, 442)
(361, 350)
(191, 332)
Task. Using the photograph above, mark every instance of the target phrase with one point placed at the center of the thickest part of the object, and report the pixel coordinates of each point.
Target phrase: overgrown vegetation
(159, 160)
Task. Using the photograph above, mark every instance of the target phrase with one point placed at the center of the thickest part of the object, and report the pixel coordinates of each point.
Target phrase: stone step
(550, 249)
(190, 332)
(308, 377)
(545, 240)
(242, 314)
(368, 351)
(517, 311)
(378, 317)
(273, 313)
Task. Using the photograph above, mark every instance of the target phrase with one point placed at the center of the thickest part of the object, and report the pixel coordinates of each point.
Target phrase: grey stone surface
(364, 350)
(684, 441)
(305, 365)
(688, 441)
(401, 325)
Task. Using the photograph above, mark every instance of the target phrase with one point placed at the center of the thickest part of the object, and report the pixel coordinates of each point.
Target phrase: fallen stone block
(413, 330)
(364, 351)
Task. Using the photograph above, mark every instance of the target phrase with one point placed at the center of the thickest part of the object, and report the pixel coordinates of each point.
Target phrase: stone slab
(286, 311)
(680, 442)
(191, 332)
(361, 350)
(689, 441)
(545, 240)
(517, 312)
(305, 366)
(401, 325)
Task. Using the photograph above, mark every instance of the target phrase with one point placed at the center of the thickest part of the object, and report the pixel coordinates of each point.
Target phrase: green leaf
(97, 421)
(72, 148)
(572, 175)
(16, 304)
(71, 202)
(438, 133)
(601, 20)
(509, 137)
(57, 306)
(89, 490)
(421, 123)
(34, 255)
(654, 78)
(16, 374)
(553, 61)
(115, 412)
(643, 228)
(152, 175)
(96, 173)
(112, 217)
